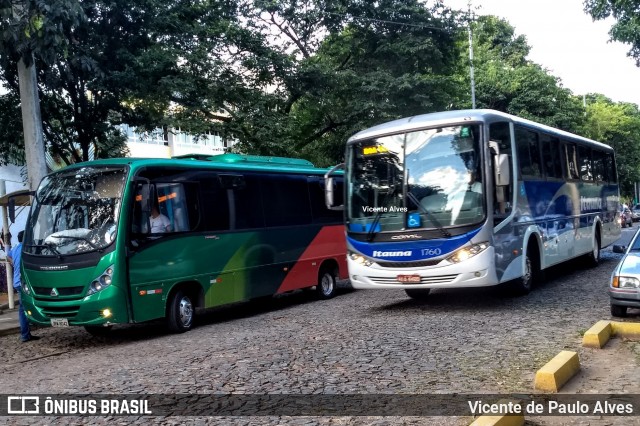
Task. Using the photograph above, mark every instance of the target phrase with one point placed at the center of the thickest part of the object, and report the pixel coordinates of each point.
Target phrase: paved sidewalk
(9, 323)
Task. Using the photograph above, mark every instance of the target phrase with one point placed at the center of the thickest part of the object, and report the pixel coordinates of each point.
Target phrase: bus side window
(528, 152)
(570, 159)
(248, 208)
(501, 133)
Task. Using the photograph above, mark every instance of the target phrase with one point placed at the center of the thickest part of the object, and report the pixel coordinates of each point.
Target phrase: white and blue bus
(473, 198)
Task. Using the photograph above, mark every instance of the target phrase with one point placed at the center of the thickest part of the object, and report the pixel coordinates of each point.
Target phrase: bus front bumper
(108, 306)
(478, 271)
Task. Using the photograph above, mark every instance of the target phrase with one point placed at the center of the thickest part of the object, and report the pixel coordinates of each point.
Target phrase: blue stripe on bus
(412, 250)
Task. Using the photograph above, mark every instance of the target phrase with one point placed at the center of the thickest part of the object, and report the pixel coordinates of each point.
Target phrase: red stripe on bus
(329, 243)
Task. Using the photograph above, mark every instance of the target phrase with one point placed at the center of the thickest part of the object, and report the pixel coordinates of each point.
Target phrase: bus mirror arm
(494, 147)
(329, 187)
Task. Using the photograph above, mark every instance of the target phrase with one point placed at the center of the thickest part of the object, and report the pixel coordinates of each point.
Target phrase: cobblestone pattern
(459, 340)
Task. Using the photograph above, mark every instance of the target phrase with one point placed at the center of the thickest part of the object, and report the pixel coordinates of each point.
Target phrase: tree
(378, 61)
(618, 125)
(627, 26)
(507, 81)
(109, 62)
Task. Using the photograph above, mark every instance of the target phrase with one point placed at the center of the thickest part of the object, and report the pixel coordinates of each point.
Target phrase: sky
(566, 41)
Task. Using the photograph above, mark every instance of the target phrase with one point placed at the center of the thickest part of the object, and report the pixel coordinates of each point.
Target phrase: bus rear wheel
(594, 256)
(418, 293)
(326, 287)
(181, 313)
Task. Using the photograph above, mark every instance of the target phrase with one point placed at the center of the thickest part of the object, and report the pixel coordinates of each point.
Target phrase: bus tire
(98, 330)
(418, 293)
(594, 256)
(524, 284)
(180, 313)
(618, 311)
(326, 287)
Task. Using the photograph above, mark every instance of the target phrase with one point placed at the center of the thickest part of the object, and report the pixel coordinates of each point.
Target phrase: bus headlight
(103, 281)
(467, 252)
(359, 259)
(26, 289)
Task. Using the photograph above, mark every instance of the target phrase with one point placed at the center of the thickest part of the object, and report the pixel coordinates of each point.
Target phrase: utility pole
(473, 83)
(31, 124)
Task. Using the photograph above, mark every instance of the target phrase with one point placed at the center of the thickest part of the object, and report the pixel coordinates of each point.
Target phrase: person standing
(15, 257)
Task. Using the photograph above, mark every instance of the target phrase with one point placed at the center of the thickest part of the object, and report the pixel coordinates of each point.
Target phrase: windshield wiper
(435, 221)
(70, 237)
(372, 230)
(50, 247)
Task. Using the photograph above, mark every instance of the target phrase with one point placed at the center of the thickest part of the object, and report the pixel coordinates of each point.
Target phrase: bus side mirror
(501, 169)
(145, 192)
(329, 189)
(11, 205)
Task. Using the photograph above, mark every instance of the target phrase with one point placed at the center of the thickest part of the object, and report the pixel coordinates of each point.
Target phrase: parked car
(635, 213)
(624, 288)
(625, 217)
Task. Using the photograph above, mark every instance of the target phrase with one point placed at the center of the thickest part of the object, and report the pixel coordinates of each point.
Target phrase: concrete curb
(598, 335)
(8, 331)
(557, 372)
(626, 329)
(504, 420)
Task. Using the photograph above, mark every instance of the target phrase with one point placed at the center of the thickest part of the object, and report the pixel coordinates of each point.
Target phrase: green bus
(133, 240)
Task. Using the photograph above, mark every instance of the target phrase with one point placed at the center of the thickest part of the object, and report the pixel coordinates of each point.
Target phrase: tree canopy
(626, 29)
(293, 78)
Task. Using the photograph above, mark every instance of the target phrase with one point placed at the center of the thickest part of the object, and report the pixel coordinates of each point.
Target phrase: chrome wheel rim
(185, 311)
(326, 284)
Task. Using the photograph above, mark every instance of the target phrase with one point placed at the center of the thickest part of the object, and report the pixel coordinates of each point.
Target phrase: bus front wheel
(523, 285)
(181, 312)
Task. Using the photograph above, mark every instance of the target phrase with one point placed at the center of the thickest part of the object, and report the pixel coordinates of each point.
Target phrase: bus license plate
(409, 278)
(59, 322)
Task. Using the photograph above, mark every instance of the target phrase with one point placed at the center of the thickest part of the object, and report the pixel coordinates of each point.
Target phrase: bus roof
(227, 161)
(437, 119)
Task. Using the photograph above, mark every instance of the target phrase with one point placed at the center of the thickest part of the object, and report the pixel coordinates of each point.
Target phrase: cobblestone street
(370, 342)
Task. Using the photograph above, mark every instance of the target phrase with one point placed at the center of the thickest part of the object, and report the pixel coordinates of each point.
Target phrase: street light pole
(473, 83)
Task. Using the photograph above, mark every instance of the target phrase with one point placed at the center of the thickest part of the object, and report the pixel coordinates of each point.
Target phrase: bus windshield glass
(426, 179)
(75, 211)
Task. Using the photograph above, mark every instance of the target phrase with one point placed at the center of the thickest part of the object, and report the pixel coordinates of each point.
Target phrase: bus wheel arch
(182, 301)
(327, 279)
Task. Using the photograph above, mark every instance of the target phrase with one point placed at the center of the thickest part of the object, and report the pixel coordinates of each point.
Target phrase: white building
(15, 180)
(157, 144)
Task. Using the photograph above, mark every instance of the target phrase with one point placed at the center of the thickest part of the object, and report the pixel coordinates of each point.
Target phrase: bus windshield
(424, 179)
(75, 211)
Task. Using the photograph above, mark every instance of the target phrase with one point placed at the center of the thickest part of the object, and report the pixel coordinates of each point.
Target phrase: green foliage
(11, 124)
(627, 26)
(618, 125)
(507, 81)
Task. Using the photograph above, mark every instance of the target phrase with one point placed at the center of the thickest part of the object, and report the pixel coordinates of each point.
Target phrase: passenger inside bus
(159, 222)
